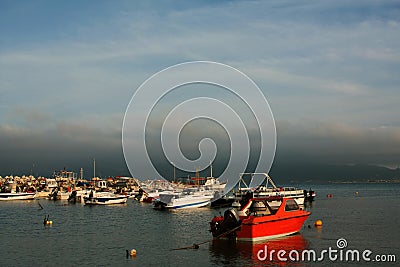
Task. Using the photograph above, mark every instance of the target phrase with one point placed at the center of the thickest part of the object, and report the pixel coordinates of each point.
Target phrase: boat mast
(174, 173)
(94, 168)
(197, 176)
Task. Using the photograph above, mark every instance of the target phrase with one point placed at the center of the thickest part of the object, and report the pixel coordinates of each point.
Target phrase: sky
(68, 69)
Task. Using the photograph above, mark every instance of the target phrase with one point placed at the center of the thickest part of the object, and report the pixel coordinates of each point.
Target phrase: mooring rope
(197, 245)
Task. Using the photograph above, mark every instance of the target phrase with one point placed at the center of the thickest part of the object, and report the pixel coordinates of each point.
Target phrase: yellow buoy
(318, 223)
(356, 193)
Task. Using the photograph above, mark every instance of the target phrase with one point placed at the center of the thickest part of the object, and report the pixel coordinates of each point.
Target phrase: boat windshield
(291, 205)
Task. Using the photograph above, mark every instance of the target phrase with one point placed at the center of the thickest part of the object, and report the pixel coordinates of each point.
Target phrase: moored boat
(189, 198)
(18, 196)
(257, 220)
(105, 198)
(150, 190)
(266, 188)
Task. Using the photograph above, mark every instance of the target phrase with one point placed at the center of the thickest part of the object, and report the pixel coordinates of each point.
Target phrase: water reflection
(230, 252)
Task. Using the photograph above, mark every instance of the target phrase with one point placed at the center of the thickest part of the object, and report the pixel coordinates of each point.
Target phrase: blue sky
(329, 70)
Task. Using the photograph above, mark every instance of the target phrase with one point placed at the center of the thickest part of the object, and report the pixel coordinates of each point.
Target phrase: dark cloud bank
(320, 152)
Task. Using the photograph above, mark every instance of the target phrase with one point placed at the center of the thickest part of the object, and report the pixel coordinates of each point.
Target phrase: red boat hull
(262, 228)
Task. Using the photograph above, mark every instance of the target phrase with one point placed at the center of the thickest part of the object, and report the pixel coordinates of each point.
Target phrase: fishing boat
(261, 185)
(257, 220)
(18, 196)
(104, 198)
(194, 197)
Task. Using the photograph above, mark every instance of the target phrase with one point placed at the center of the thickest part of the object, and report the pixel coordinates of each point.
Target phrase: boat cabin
(263, 207)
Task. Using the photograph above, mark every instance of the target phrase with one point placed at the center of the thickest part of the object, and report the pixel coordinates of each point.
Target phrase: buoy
(132, 253)
(356, 193)
(318, 223)
(46, 221)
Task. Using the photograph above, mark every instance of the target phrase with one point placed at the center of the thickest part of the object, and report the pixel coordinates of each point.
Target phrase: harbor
(194, 193)
(199, 133)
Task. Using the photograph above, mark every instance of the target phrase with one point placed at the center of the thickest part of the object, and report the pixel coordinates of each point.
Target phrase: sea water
(365, 216)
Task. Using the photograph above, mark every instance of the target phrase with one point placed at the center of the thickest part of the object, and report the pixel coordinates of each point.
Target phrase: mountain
(319, 172)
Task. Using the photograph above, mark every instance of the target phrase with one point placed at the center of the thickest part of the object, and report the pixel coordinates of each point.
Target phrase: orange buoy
(318, 223)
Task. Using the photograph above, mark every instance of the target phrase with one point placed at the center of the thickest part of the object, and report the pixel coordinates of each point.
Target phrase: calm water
(98, 236)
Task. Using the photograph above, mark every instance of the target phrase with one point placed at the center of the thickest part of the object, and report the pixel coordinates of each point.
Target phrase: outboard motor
(225, 227)
(72, 197)
(54, 193)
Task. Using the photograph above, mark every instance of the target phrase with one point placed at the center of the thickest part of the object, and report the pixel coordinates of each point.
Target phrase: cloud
(302, 82)
(54, 144)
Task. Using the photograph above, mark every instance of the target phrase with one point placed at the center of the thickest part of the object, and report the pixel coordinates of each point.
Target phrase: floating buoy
(329, 195)
(131, 253)
(46, 221)
(356, 193)
(318, 223)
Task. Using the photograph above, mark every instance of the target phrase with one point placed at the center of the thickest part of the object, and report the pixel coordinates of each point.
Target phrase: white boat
(63, 195)
(264, 191)
(17, 196)
(57, 194)
(188, 198)
(79, 196)
(215, 185)
(105, 198)
(150, 190)
(46, 187)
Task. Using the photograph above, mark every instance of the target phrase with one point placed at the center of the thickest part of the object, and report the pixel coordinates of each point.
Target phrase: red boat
(256, 220)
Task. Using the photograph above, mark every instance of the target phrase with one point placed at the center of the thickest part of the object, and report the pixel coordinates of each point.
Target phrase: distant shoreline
(367, 182)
